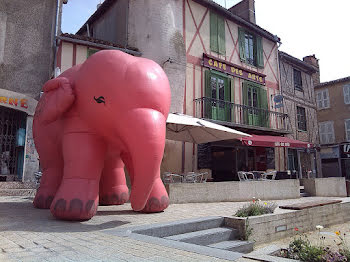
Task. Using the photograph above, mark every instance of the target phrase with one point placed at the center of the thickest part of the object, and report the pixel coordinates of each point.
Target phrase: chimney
(245, 9)
(312, 60)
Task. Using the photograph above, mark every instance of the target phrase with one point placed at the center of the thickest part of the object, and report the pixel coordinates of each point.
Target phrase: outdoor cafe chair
(268, 174)
(205, 176)
(245, 176)
(169, 177)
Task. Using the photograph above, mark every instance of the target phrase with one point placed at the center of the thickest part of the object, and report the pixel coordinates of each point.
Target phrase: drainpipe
(55, 43)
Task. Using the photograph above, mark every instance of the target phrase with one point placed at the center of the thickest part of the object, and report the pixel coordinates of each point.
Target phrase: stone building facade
(27, 34)
(333, 113)
(297, 89)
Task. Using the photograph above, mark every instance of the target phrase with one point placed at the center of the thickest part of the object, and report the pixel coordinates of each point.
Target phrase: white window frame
(347, 129)
(346, 96)
(323, 100)
(330, 135)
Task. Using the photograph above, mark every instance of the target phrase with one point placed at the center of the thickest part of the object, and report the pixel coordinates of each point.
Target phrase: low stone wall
(232, 191)
(267, 228)
(329, 186)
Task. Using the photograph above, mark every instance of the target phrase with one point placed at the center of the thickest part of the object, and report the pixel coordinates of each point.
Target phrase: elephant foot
(155, 204)
(117, 196)
(76, 199)
(43, 200)
(158, 199)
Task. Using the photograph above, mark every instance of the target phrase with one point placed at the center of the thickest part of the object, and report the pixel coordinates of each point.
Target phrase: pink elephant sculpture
(91, 120)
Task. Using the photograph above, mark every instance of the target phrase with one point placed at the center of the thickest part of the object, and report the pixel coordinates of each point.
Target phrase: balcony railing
(240, 115)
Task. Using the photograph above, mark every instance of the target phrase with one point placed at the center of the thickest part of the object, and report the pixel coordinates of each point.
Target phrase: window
(218, 96)
(217, 33)
(326, 132)
(297, 80)
(347, 129)
(322, 99)
(301, 116)
(346, 90)
(255, 111)
(250, 48)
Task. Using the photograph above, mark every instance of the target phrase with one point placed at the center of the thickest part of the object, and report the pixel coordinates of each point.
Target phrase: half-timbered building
(221, 67)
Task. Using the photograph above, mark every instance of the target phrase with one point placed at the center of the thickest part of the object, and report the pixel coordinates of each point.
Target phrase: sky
(306, 27)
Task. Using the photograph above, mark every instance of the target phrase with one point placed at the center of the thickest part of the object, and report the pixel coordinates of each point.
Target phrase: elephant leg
(77, 196)
(158, 200)
(145, 155)
(49, 183)
(113, 188)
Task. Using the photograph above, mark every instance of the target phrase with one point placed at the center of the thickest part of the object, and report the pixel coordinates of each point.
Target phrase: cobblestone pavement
(29, 234)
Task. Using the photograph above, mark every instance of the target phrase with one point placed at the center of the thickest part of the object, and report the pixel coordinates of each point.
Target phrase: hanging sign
(278, 99)
(232, 69)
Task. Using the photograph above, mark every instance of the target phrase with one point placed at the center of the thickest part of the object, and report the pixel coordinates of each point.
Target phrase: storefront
(256, 153)
(18, 157)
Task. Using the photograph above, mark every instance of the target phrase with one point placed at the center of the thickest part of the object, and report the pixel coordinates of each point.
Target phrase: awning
(274, 141)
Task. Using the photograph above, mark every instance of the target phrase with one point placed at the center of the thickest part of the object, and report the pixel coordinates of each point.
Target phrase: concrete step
(181, 227)
(17, 185)
(206, 237)
(304, 194)
(17, 192)
(234, 245)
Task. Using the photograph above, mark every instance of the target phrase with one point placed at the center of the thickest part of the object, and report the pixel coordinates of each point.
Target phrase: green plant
(344, 248)
(248, 230)
(256, 208)
(301, 249)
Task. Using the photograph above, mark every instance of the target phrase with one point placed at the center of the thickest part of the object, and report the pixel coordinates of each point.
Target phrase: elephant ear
(57, 98)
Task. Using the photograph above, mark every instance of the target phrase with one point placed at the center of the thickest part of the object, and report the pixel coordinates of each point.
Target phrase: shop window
(250, 48)
(90, 52)
(322, 99)
(326, 132)
(255, 111)
(298, 85)
(347, 129)
(346, 90)
(218, 96)
(217, 33)
(301, 117)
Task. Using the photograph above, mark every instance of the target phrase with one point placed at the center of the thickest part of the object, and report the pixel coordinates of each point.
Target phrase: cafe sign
(232, 69)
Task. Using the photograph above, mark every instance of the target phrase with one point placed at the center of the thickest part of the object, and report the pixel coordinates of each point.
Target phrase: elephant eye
(100, 100)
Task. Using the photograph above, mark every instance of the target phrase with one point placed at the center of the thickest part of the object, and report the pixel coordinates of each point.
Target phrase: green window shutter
(241, 40)
(244, 111)
(214, 45)
(233, 108)
(207, 99)
(221, 35)
(263, 104)
(259, 52)
(227, 94)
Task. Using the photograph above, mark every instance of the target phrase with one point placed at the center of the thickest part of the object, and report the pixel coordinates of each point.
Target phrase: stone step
(234, 245)
(206, 237)
(304, 194)
(17, 185)
(18, 192)
(181, 227)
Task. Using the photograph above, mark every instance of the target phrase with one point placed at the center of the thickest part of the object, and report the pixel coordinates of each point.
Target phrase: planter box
(329, 186)
(232, 191)
(271, 227)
